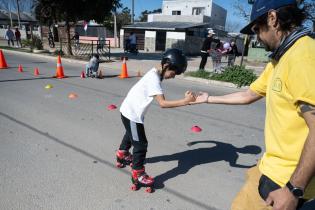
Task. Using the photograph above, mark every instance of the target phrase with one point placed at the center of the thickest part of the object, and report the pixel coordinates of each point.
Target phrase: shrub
(200, 73)
(36, 43)
(238, 75)
(59, 52)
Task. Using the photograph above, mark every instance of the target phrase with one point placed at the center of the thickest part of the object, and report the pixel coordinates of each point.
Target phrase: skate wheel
(119, 165)
(134, 187)
(149, 190)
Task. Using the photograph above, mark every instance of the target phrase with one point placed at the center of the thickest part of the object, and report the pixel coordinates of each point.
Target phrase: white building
(182, 24)
(197, 11)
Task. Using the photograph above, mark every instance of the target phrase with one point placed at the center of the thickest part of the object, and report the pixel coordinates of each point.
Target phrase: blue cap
(261, 7)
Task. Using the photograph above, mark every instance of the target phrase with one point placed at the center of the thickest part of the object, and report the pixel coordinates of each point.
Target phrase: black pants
(266, 185)
(203, 62)
(135, 136)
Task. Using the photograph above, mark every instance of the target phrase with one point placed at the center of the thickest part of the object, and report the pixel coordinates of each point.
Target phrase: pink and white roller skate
(140, 179)
(123, 158)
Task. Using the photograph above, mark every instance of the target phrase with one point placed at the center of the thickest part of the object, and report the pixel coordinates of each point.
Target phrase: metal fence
(86, 48)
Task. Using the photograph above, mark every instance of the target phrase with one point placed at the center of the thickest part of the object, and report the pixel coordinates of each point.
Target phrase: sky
(141, 5)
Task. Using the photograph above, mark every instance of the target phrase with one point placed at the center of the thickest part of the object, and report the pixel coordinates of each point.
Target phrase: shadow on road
(191, 158)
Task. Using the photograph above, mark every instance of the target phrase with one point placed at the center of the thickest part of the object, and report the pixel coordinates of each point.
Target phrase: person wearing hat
(284, 178)
(206, 47)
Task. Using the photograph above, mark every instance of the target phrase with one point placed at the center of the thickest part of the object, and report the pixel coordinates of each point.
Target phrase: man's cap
(261, 7)
(210, 31)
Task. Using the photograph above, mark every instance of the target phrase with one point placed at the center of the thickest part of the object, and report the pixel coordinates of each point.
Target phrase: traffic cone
(82, 75)
(124, 73)
(20, 68)
(36, 72)
(59, 70)
(3, 63)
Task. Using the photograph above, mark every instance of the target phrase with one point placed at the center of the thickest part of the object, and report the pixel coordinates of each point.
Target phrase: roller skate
(123, 158)
(140, 179)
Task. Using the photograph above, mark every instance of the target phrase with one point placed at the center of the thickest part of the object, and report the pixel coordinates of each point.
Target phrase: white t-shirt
(141, 95)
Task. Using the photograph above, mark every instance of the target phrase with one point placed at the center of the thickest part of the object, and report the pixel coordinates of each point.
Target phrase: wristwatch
(296, 191)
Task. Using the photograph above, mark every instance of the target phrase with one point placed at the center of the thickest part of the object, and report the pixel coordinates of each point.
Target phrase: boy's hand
(190, 97)
(201, 98)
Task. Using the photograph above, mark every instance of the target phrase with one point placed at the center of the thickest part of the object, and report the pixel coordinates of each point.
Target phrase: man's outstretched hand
(202, 97)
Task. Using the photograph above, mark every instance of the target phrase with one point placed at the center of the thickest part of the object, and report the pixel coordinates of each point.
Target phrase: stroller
(130, 48)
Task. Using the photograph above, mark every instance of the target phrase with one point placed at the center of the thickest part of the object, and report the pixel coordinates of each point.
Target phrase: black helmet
(176, 59)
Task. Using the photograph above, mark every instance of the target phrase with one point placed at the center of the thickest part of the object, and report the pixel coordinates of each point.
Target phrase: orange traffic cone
(82, 75)
(3, 63)
(124, 73)
(20, 68)
(36, 72)
(59, 70)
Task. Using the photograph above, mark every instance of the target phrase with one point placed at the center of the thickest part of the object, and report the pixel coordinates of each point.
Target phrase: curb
(188, 78)
(213, 82)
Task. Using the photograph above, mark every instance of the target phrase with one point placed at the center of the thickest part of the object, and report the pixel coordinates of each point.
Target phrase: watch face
(297, 192)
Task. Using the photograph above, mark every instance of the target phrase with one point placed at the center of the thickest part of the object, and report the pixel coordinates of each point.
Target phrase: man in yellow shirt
(284, 179)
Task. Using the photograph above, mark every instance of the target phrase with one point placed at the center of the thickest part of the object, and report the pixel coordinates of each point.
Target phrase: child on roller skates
(134, 108)
(91, 69)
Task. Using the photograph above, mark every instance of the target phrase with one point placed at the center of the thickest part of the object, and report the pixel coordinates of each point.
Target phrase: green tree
(71, 11)
(310, 11)
(144, 15)
(123, 18)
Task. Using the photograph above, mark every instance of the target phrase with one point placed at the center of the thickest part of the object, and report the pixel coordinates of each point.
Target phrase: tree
(232, 26)
(71, 11)
(310, 11)
(144, 15)
(25, 5)
(242, 9)
(123, 18)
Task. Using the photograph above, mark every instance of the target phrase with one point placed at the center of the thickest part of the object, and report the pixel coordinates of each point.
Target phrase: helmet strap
(164, 69)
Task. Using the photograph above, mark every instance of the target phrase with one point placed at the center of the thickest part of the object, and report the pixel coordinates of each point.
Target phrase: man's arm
(189, 97)
(238, 98)
(306, 167)
(283, 199)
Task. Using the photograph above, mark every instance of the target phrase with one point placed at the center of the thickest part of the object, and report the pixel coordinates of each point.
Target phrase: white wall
(186, 6)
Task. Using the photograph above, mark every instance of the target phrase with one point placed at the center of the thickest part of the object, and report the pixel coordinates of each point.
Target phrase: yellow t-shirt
(284, 84)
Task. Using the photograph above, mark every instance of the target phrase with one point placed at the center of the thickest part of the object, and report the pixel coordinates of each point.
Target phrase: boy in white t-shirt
(134, 107)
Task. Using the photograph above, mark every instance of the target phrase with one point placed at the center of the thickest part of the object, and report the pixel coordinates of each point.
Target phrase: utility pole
(18, 10)
(115, 28)
(132, 11)
(246, 37)
(10, 15)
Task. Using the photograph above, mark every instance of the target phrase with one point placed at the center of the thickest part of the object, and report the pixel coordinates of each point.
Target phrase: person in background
(9, 35)
(206, 48)
(232, 53)
(18, 38)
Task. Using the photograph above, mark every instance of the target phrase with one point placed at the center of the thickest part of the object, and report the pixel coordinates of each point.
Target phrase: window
(176, 12)
(198, 11)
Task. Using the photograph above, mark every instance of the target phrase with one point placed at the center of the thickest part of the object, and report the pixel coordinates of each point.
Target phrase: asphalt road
(59, 153)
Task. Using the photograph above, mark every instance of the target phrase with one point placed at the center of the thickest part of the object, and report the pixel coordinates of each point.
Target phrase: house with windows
(182, 24)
